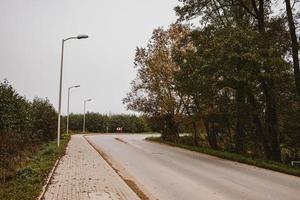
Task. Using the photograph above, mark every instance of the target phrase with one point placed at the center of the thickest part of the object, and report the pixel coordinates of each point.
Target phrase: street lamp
(75, 86)
(60, 81)
(87, 100)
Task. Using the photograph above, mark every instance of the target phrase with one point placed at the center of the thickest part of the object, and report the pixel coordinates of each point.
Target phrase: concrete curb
(50, 176)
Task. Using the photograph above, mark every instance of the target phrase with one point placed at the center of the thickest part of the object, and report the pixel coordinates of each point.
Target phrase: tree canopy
(232, 80)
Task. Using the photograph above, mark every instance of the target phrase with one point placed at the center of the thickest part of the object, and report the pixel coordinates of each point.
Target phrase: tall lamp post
(84, 104)
(60, 81)
(68, 109)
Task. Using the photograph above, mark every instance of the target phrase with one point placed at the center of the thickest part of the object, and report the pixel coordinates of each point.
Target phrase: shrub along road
(173, 173)
(29, 180)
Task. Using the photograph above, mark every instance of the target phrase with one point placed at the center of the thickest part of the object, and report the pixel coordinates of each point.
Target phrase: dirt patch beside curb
(120, 140)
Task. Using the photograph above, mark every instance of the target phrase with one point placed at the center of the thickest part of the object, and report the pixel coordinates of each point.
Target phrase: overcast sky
(30, 38)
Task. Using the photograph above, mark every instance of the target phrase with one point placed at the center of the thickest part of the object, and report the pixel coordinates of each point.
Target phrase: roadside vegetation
(27, 183)
(186, 142)
(231, 80)
(99, 123)
(28, 149)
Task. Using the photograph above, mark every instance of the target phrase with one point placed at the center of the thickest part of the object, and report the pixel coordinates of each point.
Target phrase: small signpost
(119, 129)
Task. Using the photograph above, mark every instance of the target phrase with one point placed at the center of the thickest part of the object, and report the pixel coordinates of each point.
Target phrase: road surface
(171, 173)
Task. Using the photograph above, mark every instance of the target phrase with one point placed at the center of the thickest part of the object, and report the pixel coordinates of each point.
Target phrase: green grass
(29, 180)
(267, 164)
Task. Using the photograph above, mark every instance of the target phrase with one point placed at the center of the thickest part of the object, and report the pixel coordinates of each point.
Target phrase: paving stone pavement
(82, 174)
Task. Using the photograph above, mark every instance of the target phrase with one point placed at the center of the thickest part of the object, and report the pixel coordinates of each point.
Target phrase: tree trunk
(260, 133)
(295, 45)
(170, 131)
(211, 135)
(196, 142)
(239, 137)
(272, 120)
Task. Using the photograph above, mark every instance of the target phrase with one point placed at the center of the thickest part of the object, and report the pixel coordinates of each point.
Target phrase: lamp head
(82, 37)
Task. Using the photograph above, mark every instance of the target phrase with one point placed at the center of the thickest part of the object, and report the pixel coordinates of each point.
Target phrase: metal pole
(84, 105)
(60, 83)
(83, 130)
(68, 110)
(60, 91)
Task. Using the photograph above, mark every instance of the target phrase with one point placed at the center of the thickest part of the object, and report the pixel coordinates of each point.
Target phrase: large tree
(268, 50)
(153, 91)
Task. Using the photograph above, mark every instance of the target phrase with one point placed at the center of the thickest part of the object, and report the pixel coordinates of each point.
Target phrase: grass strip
(267, 164)
(29, 180)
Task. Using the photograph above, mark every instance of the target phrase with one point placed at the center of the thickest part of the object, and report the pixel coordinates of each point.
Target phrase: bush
(24, 126)
(44, 119)
(29, 180)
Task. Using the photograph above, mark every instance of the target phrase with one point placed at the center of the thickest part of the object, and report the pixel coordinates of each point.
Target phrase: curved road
(170, 173)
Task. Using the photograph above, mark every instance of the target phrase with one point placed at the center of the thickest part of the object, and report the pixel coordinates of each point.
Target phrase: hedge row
(24, 126)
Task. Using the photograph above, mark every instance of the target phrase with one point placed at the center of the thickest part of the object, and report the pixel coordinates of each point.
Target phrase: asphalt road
(170, 173)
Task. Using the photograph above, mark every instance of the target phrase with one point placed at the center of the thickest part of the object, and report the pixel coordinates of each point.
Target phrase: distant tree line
(233, 80)
(24, 126)
(99, 123)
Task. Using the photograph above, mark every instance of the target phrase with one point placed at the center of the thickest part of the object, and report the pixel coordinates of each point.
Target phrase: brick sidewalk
(83, 174)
